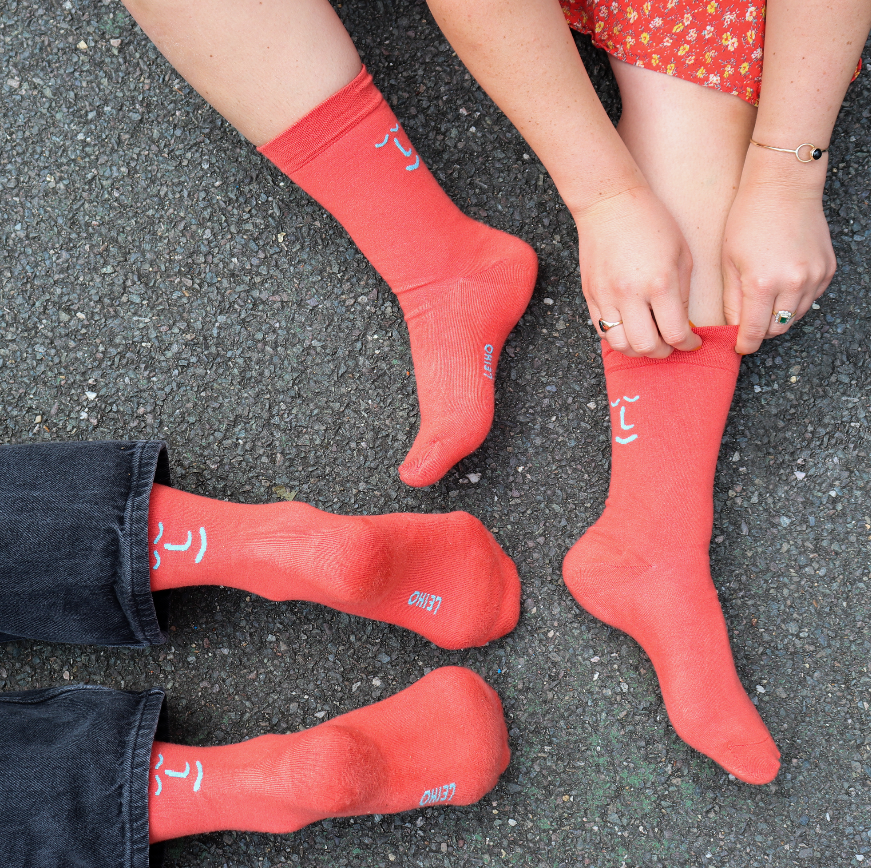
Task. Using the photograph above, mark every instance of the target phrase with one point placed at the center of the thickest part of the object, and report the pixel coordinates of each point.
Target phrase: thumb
(732, 294)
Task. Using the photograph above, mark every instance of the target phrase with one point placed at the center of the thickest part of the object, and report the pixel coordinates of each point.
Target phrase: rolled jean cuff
(74, 563)
(75, 764)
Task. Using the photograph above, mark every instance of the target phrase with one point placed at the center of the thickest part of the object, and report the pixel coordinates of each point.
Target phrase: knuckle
(659, 287)
(623, 288)
(674, 335)
(761, 284)
(795, 280)
(644, 347)
(755, 332)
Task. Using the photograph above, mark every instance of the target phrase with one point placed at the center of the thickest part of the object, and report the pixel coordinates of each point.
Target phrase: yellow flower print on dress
(715, 43)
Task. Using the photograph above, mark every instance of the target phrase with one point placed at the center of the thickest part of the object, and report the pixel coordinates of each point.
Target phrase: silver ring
(604, 326)
(782, 317)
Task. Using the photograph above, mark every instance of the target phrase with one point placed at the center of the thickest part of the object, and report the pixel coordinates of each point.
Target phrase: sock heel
(359, 562)
(332, 771)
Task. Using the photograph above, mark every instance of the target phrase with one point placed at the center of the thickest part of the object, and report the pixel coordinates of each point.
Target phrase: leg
(262, 65)
(442, 740)
(690, 142)
(443, 576)
(643, 567)
(462, 285)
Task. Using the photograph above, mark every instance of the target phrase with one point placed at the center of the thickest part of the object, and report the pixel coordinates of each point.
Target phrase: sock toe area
(479, 745)
(752, 763)
(509, 614)
(432, 456)
(447, 742)
(492, 609)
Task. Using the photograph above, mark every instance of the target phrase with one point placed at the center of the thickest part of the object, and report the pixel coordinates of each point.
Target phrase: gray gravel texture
(151, 258)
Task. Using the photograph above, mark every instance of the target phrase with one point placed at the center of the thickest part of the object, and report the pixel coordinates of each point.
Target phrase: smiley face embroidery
(624, 425)
(406, 152)
(179, 547)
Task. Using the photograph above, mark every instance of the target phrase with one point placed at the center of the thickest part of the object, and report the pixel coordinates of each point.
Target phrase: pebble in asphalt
(159, 279)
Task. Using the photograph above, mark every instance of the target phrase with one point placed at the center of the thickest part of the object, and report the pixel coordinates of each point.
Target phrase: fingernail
(692, 324)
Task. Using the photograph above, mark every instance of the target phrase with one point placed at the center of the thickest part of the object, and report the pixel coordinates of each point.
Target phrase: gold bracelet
(815, 152)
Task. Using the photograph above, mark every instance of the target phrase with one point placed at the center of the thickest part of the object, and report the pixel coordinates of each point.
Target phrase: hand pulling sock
(643, 567)
(461, 285)
(441, 741)
(443, 576)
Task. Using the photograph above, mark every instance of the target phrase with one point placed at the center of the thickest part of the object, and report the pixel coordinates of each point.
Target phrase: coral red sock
(441, 741)
(643, 566)
(462, 285)
(443, 576)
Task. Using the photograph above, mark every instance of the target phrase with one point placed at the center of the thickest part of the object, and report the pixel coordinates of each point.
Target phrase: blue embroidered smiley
(180, 547)
(623, 424)
(406, 153)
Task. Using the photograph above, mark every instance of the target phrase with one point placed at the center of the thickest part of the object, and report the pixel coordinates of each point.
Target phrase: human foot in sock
(461, 285)
(443, 576)
(441, 741)
(643, 566)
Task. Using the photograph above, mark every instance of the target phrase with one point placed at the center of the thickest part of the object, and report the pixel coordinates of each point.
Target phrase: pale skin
(679, 218)
(263, 64)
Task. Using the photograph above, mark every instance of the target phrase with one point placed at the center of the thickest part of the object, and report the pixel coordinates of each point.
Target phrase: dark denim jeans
(74, 760)
(74, 542)
(74, 771)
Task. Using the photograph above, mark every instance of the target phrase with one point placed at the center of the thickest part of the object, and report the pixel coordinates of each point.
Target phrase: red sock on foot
(462, 285)
(443, 576)
(441, 741)
(643, 566)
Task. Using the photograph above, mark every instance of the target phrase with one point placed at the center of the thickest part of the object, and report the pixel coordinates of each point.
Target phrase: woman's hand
(777, 250)
(635, 268)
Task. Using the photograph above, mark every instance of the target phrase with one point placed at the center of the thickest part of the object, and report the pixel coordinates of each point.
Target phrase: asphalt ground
(158, 279)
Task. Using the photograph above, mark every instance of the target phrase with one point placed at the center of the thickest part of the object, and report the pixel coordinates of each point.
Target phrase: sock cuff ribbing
(717, 351)
(323, 125)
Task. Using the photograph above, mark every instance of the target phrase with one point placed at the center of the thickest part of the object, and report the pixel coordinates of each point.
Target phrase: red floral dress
(717, 44)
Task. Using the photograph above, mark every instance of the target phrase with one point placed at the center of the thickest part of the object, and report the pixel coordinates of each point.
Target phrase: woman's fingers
(755, 320)
(674, 325)
(783, 306)
(732, 296)
(641, 333)
(613, 332)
